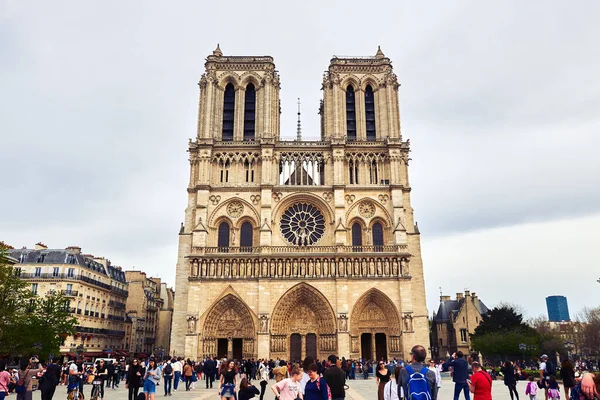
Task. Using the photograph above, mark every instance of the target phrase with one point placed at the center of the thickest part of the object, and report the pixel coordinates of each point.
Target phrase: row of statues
(294, 267)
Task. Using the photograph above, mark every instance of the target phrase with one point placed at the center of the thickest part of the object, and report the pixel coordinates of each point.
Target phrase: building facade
(295, 248)
(97, 292)
(558, 308)
(165, 319)
(454, 322)
(143, 305)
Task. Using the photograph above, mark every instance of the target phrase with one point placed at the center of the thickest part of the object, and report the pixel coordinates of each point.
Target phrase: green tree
(30, 324)
(501, 331)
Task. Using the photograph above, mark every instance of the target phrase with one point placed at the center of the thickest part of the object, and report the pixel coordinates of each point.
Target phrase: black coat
(509, 375)
(132, 379)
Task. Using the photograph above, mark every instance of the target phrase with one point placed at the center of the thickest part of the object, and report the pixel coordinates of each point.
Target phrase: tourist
(418, 355)
(480, 383)
(49, 380)
(508, 370)
(151, 378)
(5, 379)
(460, 373)
(167, 373)
(177, 369)
(336, 379)
(567, 373)
(305, 378)
(545, 373)
(209, 372)
(188, 371)
(365, 369)
(436, 370)
(316, 387)
(101, 373)
(264, 378)
(281, 372)
(531, 388)
(247, 390)
(382, 377)
(135, 373)
(27, 370)
(390, 391)
(228, 381)
(553, 388)
(289, 388)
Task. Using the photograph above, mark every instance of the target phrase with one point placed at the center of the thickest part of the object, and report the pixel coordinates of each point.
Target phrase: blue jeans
(168, 381)
(461, 386)
(177, 379)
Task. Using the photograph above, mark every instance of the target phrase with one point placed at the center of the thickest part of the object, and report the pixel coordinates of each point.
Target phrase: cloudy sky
(501, 102)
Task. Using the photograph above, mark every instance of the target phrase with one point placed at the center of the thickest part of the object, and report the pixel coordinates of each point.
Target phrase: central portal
(311, 346)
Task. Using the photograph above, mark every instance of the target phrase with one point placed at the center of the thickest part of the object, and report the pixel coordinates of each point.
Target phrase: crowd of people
(311, 379)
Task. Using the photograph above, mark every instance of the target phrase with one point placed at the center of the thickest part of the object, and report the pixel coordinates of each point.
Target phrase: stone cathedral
(293, 248)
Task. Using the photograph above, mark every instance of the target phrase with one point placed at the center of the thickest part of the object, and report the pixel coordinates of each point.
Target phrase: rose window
(302, 224)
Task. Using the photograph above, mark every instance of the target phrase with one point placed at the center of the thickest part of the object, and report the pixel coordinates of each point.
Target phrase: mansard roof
(448, 309)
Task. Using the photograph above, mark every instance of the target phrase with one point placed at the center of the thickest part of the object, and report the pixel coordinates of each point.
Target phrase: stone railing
(396, 248)
(281, 265)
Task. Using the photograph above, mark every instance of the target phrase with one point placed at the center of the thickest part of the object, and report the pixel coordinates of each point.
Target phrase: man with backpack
(167, 373)
(416, 380)
(547, 369)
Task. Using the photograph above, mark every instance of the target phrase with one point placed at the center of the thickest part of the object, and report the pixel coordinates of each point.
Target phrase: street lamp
(569, 345)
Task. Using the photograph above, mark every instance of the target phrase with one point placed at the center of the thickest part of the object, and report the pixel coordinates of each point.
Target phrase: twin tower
(298, 248)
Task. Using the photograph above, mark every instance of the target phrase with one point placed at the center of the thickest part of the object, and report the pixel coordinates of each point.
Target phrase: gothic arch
(369, 80)
(229, 317)
(350, 79)
(250, 77)
(221, 212)
(229, 77)
(381, 214)
(374, 312)
(303, 309)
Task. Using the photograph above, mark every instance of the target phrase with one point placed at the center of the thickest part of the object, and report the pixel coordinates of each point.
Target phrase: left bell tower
(239, 98)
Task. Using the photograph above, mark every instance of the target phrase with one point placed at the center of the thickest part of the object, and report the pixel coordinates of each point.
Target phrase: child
(531, 388)
(553, 389)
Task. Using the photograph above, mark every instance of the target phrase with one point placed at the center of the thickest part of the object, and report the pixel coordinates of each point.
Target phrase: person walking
(177, 369)
(510, 380)
(167, 373)
(101, 372)
(390, 391)
(382, 377)
(480, 383)
(289, 388)
(135, 374)
(188, 371)
(407, 380)
(49, 380)
(436, 370)
(336, 379)
(264, 378)
(209, 372)
(567, 373)
(531, 388)
(151, 378)
(116, 375)
(460, 373)
(27, 370)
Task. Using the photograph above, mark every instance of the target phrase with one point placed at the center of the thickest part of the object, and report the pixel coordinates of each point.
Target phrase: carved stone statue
(364, 267)
(295, 268)
(371, 267)
(265, 269)
(264, 324)
(311, 268)
(408, 322)
(318, 269)
(404, 267)
(272, 268)
(343, 323)
(219, 268)
(212, 268)
(386, 267)
(191, 324)
(379, 267)
(279, 268)
(342, 268)
(287, 268)
(356, 268)
(394, 267)
(302, 267)
(325, 267)
(226, 273)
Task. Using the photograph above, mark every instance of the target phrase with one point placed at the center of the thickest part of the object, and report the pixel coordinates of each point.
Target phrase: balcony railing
(292, 262)
(69, 293)
(117, 305)
(63, 277)
(101, 331)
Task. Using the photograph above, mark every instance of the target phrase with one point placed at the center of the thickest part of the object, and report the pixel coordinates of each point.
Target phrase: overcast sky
(501, 102)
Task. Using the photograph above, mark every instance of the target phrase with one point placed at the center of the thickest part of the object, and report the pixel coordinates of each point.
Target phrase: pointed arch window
(246, 237)
(223, 237)
(356, 236)
(350, 113)
(377, 231)
(249, 171)
(370, 113)
(249, 113)
(228, 112)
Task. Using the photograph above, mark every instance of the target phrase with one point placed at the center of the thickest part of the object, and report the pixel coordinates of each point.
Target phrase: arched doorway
(375, 327)
(304, 319)
(229, 330)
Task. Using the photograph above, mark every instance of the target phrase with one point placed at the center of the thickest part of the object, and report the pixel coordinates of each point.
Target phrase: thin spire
(217, 52)
(299, 129)
(379, 53)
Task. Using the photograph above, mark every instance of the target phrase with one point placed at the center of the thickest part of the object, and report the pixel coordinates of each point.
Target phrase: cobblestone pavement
(359, 390)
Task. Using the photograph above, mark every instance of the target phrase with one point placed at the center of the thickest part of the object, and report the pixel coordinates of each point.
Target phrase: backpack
(168, 370)
(20, 386)
(318, 382)
(550, 368)
(418, 386)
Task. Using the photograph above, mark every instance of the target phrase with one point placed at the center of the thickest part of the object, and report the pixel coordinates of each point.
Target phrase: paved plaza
(359, 390)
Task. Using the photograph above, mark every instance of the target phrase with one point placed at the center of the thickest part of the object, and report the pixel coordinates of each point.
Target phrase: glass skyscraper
(558, 309)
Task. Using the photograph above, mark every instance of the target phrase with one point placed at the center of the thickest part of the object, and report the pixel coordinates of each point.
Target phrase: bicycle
(73, 392)
(97, 382)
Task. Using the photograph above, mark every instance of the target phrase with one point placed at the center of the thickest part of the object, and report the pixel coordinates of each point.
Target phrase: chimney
(444, 298)
(474, 296)
(40, 246)
(74, 249)
(467, 293)
(459, 296)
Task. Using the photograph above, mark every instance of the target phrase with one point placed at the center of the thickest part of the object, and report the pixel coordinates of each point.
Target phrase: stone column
(230, 348)
(303, 352)
(373, 348)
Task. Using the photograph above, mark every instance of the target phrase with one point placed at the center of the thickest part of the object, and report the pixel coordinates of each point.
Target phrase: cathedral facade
(292, 248)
